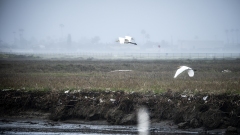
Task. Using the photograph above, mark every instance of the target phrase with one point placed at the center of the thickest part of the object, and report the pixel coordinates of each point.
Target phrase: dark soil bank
(187, 111)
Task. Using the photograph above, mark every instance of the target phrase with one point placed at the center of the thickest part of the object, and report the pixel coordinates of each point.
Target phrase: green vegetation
(155, 76)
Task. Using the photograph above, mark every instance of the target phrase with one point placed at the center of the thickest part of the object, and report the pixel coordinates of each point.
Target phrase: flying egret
(183, 68)
(126, 40)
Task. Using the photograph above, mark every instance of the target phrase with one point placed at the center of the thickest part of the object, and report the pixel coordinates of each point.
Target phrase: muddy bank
(119, 108)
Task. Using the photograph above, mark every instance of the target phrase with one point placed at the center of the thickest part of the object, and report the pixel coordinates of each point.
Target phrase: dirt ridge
(119, 107)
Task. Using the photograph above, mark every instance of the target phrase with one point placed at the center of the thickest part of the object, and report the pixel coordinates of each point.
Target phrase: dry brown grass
(154, 76)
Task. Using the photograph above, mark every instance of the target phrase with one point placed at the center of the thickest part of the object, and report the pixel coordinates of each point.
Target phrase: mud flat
(29, 126)
(170, 111)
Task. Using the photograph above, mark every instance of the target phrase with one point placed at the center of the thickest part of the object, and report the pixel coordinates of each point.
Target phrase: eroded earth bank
(186, 111)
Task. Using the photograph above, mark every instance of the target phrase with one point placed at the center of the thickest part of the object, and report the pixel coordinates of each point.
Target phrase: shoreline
(14, 124)
(168, 110)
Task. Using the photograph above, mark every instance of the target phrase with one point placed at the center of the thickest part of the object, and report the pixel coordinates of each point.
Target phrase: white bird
(183, 68)
(126, 40)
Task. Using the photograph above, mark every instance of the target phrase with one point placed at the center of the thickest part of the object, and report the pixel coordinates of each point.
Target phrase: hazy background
(158, 26)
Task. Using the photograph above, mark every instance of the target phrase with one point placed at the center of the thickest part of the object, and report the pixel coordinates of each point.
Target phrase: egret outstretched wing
(126, 40)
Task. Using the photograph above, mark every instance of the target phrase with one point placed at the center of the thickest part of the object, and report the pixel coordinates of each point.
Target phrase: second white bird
(183, 68)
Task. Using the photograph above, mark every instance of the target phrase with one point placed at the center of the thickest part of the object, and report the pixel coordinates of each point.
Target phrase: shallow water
(44, 127)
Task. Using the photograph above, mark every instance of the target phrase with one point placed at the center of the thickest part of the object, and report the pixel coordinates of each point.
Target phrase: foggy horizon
(91, 25)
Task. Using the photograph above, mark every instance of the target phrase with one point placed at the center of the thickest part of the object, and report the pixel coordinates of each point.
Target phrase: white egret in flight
(183, 68)
(126, 40)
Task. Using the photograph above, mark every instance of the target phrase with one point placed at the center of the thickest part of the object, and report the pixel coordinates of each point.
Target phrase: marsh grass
(156, 76)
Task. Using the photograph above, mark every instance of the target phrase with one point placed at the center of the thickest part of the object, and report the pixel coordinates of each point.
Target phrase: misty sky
(109, 19)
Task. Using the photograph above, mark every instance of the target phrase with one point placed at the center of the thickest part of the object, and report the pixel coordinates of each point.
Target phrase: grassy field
(156, 76)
